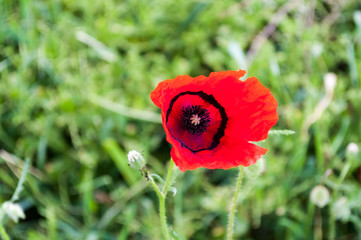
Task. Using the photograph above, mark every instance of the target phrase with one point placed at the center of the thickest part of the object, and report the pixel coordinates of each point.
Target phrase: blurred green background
(75, 78)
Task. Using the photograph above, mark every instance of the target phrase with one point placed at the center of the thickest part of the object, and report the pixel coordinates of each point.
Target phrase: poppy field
(257, 102)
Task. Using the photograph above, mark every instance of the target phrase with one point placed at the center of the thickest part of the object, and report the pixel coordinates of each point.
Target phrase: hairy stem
(168, 179)
(232, 209)
(161, 199)
(163, 218)
(162, 196)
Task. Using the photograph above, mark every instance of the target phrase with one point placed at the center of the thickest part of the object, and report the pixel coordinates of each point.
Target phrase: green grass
(75, 78)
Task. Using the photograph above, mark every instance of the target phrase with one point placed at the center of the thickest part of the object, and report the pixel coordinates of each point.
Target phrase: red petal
(258, 110)
(250, 107)
(230, 154)
(169, 88)
(221, 75)
(251, 112)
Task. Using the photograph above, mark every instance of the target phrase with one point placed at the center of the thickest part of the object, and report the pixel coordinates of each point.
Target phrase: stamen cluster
(195, 119)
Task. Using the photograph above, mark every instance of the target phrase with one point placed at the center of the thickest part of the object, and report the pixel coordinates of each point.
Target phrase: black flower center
(206, 125)
(195, 119)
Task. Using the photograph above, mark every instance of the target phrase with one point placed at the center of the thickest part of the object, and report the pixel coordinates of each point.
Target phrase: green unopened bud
(341, 210)
(13, 210)
(136, 160)
(320, 196)
(352, 148)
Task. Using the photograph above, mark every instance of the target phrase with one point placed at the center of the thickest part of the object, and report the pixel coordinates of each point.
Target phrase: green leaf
(22, 179)
(285, 132)
(174, 234)
(159, 178)
(120, 159)
(173, 190)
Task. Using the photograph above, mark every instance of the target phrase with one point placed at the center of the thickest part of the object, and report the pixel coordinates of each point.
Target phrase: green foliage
(75, 78)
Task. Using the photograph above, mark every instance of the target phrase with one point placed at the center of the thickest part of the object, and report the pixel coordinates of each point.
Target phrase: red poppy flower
(210, 121)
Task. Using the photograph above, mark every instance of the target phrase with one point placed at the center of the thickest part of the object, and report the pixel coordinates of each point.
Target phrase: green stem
(3, 233)
(168, 179)
(163, 219)
(155, 187)
(318, 225)
(162, 196)
(161, 199)
(232, 209)
(331, 231)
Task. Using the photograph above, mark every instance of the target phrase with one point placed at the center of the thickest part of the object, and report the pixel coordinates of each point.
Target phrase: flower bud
(352, 148)
(341, 210)
(320, 196)
(136, 160)
(13, 210)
